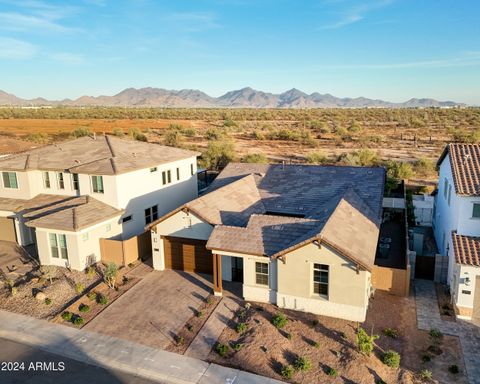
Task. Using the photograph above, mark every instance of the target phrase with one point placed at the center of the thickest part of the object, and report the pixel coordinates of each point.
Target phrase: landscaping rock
(40, 296)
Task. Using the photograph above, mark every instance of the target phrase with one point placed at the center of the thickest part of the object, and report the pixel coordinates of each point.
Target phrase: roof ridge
(109, 145)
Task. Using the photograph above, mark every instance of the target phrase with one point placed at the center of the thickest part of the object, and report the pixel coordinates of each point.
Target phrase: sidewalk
(109, 352)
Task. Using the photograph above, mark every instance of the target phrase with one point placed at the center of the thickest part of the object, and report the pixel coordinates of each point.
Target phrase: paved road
(74, 372)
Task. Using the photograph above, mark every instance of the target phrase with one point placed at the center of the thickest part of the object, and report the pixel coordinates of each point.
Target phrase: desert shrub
(288, 335)
(229, 123)
(332, 372)
(118, 132)
(435, 334)
(237, 346)
(48, 301)
(84, 308)
(391, 358)
(424, 167)
(215, 134)
(172, 138)
(365, 341)
(316, 157)
(92, 296)
(355, 127)
(241, 327)
(200, 314)
(221, 349)
(255, 158)
(40, 138)
(90, 271)
(78, 320)
(453, 369)
(279, 320)
(81, 132)
(302, 364)
(218, 154)
(179, 340)
(189, 132)
(110, 274)
(189, 328)
(425, 374)
(287, 372)
(390, 332)
(258, 135)
(79, 288)
(67, 316)
(48, 272)
(136, 134)
(316, 344)
(101, 299)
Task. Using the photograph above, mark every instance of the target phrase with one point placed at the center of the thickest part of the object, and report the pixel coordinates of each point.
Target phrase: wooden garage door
(187, 255)
(7, 229)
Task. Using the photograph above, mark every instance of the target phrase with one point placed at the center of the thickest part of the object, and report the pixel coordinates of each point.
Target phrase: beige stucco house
(301, 237)
(63, 199)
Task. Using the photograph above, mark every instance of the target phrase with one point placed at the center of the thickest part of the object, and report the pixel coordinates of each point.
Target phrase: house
(65, 197)
(299, 236)
(456, 223)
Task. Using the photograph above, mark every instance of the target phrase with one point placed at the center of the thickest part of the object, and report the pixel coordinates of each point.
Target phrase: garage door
(7, 229)
(187, 255)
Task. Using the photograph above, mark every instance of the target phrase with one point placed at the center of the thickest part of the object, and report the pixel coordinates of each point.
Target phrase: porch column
(217, 274)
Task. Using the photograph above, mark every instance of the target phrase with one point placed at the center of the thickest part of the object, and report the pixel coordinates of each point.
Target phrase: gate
(425, 267)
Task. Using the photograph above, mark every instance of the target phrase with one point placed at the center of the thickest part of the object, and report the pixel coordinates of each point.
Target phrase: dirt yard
(331, 343)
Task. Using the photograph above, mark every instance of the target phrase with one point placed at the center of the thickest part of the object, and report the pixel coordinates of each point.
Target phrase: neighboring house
(302, 237)
(456, 223)
(66, 197)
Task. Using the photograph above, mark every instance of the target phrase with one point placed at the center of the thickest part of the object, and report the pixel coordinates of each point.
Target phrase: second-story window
(476, 210)
(75, 182)
(151, 214)
(46, 180)
(178, 173)
(191, 169)
(10, 180)
(445, 188)
(166, 177)
(60, 180)
(97, 184)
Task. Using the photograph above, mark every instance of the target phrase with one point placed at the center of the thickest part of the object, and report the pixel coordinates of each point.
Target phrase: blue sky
(388, 49)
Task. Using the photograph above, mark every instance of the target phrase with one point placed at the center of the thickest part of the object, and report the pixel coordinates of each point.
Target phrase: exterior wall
(253, 291)
(393, 280)
(459, 288)
(81, 251)
(227, 268)
(124, 252)
(180, 224)
(468, 225)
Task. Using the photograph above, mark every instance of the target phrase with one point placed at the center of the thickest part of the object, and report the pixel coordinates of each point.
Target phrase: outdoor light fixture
(467, 279)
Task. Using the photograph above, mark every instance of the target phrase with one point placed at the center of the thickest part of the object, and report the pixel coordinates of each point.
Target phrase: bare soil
(444, 303)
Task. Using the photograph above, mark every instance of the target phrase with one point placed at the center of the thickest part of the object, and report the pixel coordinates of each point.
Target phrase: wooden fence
(393, 280)
(124, 252)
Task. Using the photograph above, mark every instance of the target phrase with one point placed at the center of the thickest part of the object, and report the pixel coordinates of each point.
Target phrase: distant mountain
(242, 98)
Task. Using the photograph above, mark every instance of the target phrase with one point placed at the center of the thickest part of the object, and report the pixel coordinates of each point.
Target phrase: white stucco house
(65, 197)
(298, 236)
(456, 224)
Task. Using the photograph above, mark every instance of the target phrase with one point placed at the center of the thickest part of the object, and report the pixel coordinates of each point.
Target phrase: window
(126, 219)
(97, 184)
(191, 169)
(169, 176)
(60, 181)
(46, 180)
(151, 214)
(166, 177)
(320, 279)
(445, 188)
(178, 174)
(58, 246)
(466, 292)
(85, 236)
(476, 210)
(449, 194)
(261, 273)
(76, 184)
(153, 169)
(10, 180)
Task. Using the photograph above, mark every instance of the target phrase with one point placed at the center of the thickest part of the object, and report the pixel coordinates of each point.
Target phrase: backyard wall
(393, 280)
(124, 252)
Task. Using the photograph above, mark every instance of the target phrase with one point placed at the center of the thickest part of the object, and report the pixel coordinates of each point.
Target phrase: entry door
(237, 269)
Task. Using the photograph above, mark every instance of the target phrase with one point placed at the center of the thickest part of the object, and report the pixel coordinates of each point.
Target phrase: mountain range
(242, 98)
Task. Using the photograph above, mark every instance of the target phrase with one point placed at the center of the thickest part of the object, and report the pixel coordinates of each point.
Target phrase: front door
(237, 269)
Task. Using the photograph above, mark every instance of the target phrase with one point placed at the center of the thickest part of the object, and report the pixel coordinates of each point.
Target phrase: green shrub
(302, 364)
(172, 138)
(67, 316)
(316, 344)
(91, 271)
(257, 135)
(92, 296)
(453, 369)
(279, 320)
(287, 372)
(79, 288)
(259, 158)
(110, 274)
(84, 308)
(81, 132)
(48, 301)
(332, 372)
(189, 327)
(136, 134)
(288, 336)
(218, 154)
(200, 314)
(118, 132)
(425, 374)
(237, 346)
(241, 327)
(316, 158)
(229, 123)
(365, 341)
(189, 132)
(392, 359)
(101, 299)
(179, 340)
(435, 334)
(221, 349)
(391, 332)
(78, 320)
(215, 134)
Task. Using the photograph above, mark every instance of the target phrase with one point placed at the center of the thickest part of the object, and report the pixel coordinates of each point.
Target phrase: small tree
(365, 341)
(48, 272)
(218, 154)
(110, 274)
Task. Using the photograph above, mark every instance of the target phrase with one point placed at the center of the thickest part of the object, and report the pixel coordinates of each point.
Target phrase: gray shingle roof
(104, 155)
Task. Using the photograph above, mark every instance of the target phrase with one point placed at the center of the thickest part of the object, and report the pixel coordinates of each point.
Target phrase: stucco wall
(392, 280)
(460, 273)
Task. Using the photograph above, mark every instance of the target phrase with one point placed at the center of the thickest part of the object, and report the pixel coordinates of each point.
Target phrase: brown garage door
(187, 255)
(7, 229)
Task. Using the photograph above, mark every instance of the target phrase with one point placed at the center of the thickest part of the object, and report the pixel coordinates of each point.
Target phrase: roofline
(442, 156)
(233, 251)
(185, 208)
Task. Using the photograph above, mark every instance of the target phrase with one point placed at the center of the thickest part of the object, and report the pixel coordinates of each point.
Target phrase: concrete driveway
(154, 309)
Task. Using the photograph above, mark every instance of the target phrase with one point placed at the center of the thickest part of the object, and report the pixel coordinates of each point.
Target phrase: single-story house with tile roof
(303, 237)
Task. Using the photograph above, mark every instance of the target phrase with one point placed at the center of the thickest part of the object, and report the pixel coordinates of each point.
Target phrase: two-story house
(65, 197)
(456, 222)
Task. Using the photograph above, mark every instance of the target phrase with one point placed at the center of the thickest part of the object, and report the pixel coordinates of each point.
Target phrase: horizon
(392, 50)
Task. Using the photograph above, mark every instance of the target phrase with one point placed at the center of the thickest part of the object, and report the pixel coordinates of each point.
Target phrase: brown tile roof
(466, 249)
(39, 201)
(104, 155)
(465, 165)
(71, 214)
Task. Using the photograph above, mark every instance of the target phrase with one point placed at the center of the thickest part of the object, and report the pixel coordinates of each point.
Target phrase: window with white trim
(75, 182)
(10, 180)
(178, 173)
(46, 180)
(97, 184)
(476, 210)
(166, 177)
(261, 273)
(320, 279)
(60, 180)
(151, 214)
(58, 246)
